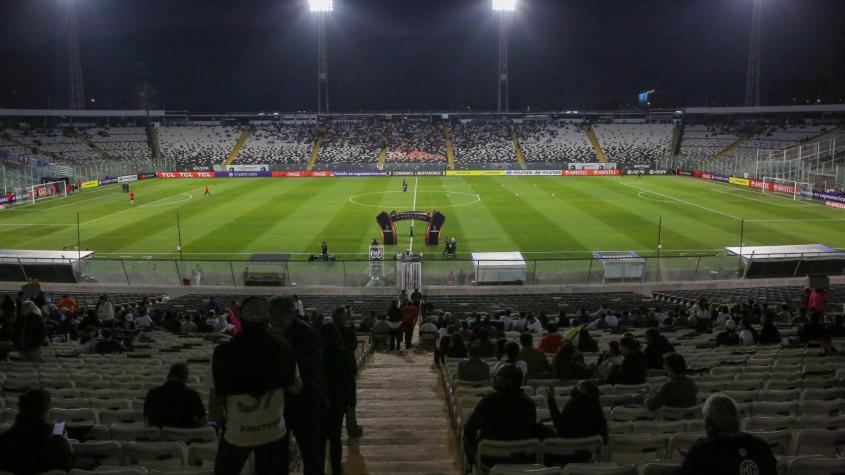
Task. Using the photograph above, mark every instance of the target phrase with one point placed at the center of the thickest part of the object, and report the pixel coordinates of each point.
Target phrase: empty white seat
(816, 466)
(199, 434)
(828, 443)
(156, 455)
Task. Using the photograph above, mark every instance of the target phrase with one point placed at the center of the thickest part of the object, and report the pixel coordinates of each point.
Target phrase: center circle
(467, 198)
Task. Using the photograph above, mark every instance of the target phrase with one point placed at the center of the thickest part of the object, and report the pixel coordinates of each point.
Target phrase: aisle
(406, 423)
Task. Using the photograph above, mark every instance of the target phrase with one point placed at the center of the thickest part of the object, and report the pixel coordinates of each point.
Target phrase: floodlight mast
(503, 8)
(752, 79)
(321, 8)
(76, 91)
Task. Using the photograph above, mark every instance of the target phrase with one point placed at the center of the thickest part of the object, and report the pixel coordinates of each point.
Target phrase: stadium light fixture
(504, 5)
(321, 5)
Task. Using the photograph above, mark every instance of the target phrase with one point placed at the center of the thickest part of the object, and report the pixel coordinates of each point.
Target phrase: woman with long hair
(394, 321)
(568, 364)
(339, 369)
(582, 416)
(457, 348)
(33, 445)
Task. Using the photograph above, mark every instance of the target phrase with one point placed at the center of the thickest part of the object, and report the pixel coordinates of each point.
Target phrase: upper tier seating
(124, 143)
(483, 142)
(704, 141)
(554, 143)
(197, 147)
(634, 143)
(351, 142)
(53, 143)
(278, 143)
(415, 141)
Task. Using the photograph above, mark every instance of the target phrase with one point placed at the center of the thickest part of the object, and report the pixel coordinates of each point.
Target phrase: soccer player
(324, 250)
(404, 186)
(206, 191)
(132, 198)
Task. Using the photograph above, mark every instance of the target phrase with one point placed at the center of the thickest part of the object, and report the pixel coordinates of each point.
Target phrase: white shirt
(428, 327)
(721, 319)
(144, 321)
(106, 311)
(746, 338)
(300, 309)
(612, 321)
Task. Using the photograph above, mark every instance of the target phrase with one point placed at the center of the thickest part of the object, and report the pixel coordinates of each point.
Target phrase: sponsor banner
(301, 173)
(820, 195)
(533, 172)
(591, 172)
(417, 173)
(146, 176)
(125, 178)
(412, 215)
(89, 184)
(591, 166)
(242, 174)
(241, 168)
(358, 174)
(108, 181)
(683, 173)
(739, 181)
(475, 172)
(185, 174)
(835, 204)
(641, 171)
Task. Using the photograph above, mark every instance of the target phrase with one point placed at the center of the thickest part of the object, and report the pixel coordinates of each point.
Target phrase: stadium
(516, 281)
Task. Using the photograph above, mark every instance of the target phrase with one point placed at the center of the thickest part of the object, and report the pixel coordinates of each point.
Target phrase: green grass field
(544, 217)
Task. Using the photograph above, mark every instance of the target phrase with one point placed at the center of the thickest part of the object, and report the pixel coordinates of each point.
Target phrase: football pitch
(542, 217)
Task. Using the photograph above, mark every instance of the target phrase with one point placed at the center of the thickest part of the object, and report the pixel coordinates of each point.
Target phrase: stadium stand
(415, 141)
(355, 142)
(124, 143)
(554, 142)
(483, 142)
(706, 140)
(197, 147)
(61, 148)
(633, 144)
(278, 143)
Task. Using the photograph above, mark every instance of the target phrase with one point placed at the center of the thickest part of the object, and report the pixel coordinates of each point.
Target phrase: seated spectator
(729, 337)
(212, 306)
(465, 332)
(109, 344)
(748, 336)
(506, 414)
(30, 446)
(535, 360)
(145, 322)
(456, 347)
(67, 304)
(632, 370)
(727, 450)
(30, 332)
(367, 323)
(658, 345)
(769, 334)
(443, 344)
(487, 347)
(568, 364)
(88, 341)
(188, 325)
(511, 358)
(723, 317)
(582, 416)
(473, 368)
(428, 327)
(680, 391)
(586, 343)
(174, 404)
(610, 358)
(529, 325)
(550, 342)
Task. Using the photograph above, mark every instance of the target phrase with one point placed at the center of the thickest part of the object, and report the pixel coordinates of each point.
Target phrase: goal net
(797, 189)
(45, 191)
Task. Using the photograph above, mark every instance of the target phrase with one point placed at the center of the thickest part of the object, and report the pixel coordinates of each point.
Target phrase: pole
(78, 239)
(741, 238)
(659, 243)
(179, 234)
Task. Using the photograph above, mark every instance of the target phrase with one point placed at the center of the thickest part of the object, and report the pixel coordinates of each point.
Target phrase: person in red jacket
(132, 198)
(410, 314)
(818, 300)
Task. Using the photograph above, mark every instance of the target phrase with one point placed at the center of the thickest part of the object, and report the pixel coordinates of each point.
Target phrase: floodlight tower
(752, 78)
(321, 8)
(76, 91)
(504, 8)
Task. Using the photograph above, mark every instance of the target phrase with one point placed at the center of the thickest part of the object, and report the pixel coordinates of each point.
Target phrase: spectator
(188, 325)
(108, 344)
(211, 305)
(367, 323)
(174, 404)
(658, 345)
(511, 358)
(394, 320)
(582, 416)
(551, 341)
(250, 375)
(586, 343)
(818, 301)
(748, 336)
(827, 348)
(105, 311)
(30, 332)
(67, 304)
(410, 315)
(506, 414)
(339, 371)
(145, 322)
(530, 325)
(234, 316)
(30, 445)
(806, 294)
(632, 370)
(610, 358)
(88, 341)
(679, 391)
(568, 364)
(456, 347)
(464, 331)
(769, 334)
(304, 410)
(299, 306)
(535, 360)
(727, 450)
(487, 347)
(729, 337)
(473, 368)
(381, 332)
(340, 318)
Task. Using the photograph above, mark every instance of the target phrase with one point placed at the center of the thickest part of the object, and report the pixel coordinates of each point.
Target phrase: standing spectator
(535, 360)
(410, 314)
(234, 317)
(105, 311)
(511, 358)
(67, 304)
(339, 371)
(506, 414)
(727, 450)
(680, 391)
(394, 320)
(30, 446)
(474, 368)
(568, 364)
(303, 411)
(632, 370)
(818, 301)
(174, 404)
(582, 416)
(340, 318)
(250, 375)
(658, 345)
(806, 293)
(30, 332)
(551, 341)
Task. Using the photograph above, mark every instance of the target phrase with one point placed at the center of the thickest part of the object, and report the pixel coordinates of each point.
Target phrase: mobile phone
(683, 452)
(59, 428)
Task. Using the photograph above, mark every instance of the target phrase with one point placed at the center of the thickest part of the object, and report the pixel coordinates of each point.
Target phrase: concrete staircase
(245, 135)
(450, 147)
(520, 156)
(315, 152)
(594, 141)
(402, 408)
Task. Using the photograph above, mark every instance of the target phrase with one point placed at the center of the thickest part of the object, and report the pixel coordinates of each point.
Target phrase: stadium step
(733, 146)
(315, 152)
(450, 148)
(84, 141)
(245, 135)
(405, 419)
(520, 156)
(153, 143)
(594, 141)
(677, 133)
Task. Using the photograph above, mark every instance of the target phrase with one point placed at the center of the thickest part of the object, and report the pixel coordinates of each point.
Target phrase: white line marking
(413, 208)
(476, 197)
(759, 200)
(682, 201)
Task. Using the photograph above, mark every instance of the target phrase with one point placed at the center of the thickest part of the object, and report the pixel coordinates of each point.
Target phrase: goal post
(798, 189)
(44, 191)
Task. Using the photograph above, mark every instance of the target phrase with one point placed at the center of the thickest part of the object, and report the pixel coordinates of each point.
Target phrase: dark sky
(260, 55)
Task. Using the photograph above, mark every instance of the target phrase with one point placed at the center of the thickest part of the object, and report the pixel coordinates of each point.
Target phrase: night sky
(419, 55)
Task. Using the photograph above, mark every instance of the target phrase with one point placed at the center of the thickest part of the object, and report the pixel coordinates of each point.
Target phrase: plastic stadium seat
(75, 416)
(70, 403)
(552, 448)
(525, 451)
(202, 455)
(780, 440)
(822, 394)
(820, 422)
(134, 432)
(775, 408)
(683, 441)
(660, 468)
(769, 423)
(626, 414)
(828, 443)
(199, 434)
(504, 469)
(129, 416)
(637, 448)
(620, 427)
(111, 471)
(156, 455)
(599, 469)
(816, 466)
(104, 452)
(184, 471)
(679, 413)
(111, 404)
(822, 408)
(657, 428)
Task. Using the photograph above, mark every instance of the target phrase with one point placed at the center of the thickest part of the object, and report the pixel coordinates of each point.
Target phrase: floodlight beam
(504, 5)
(321, 5)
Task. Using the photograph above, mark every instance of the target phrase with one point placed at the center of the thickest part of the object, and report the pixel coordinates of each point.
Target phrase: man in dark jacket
(340, 317)
(658, 345)
(679, 391)
(632, 369)
(174, 404)
(30, 332)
